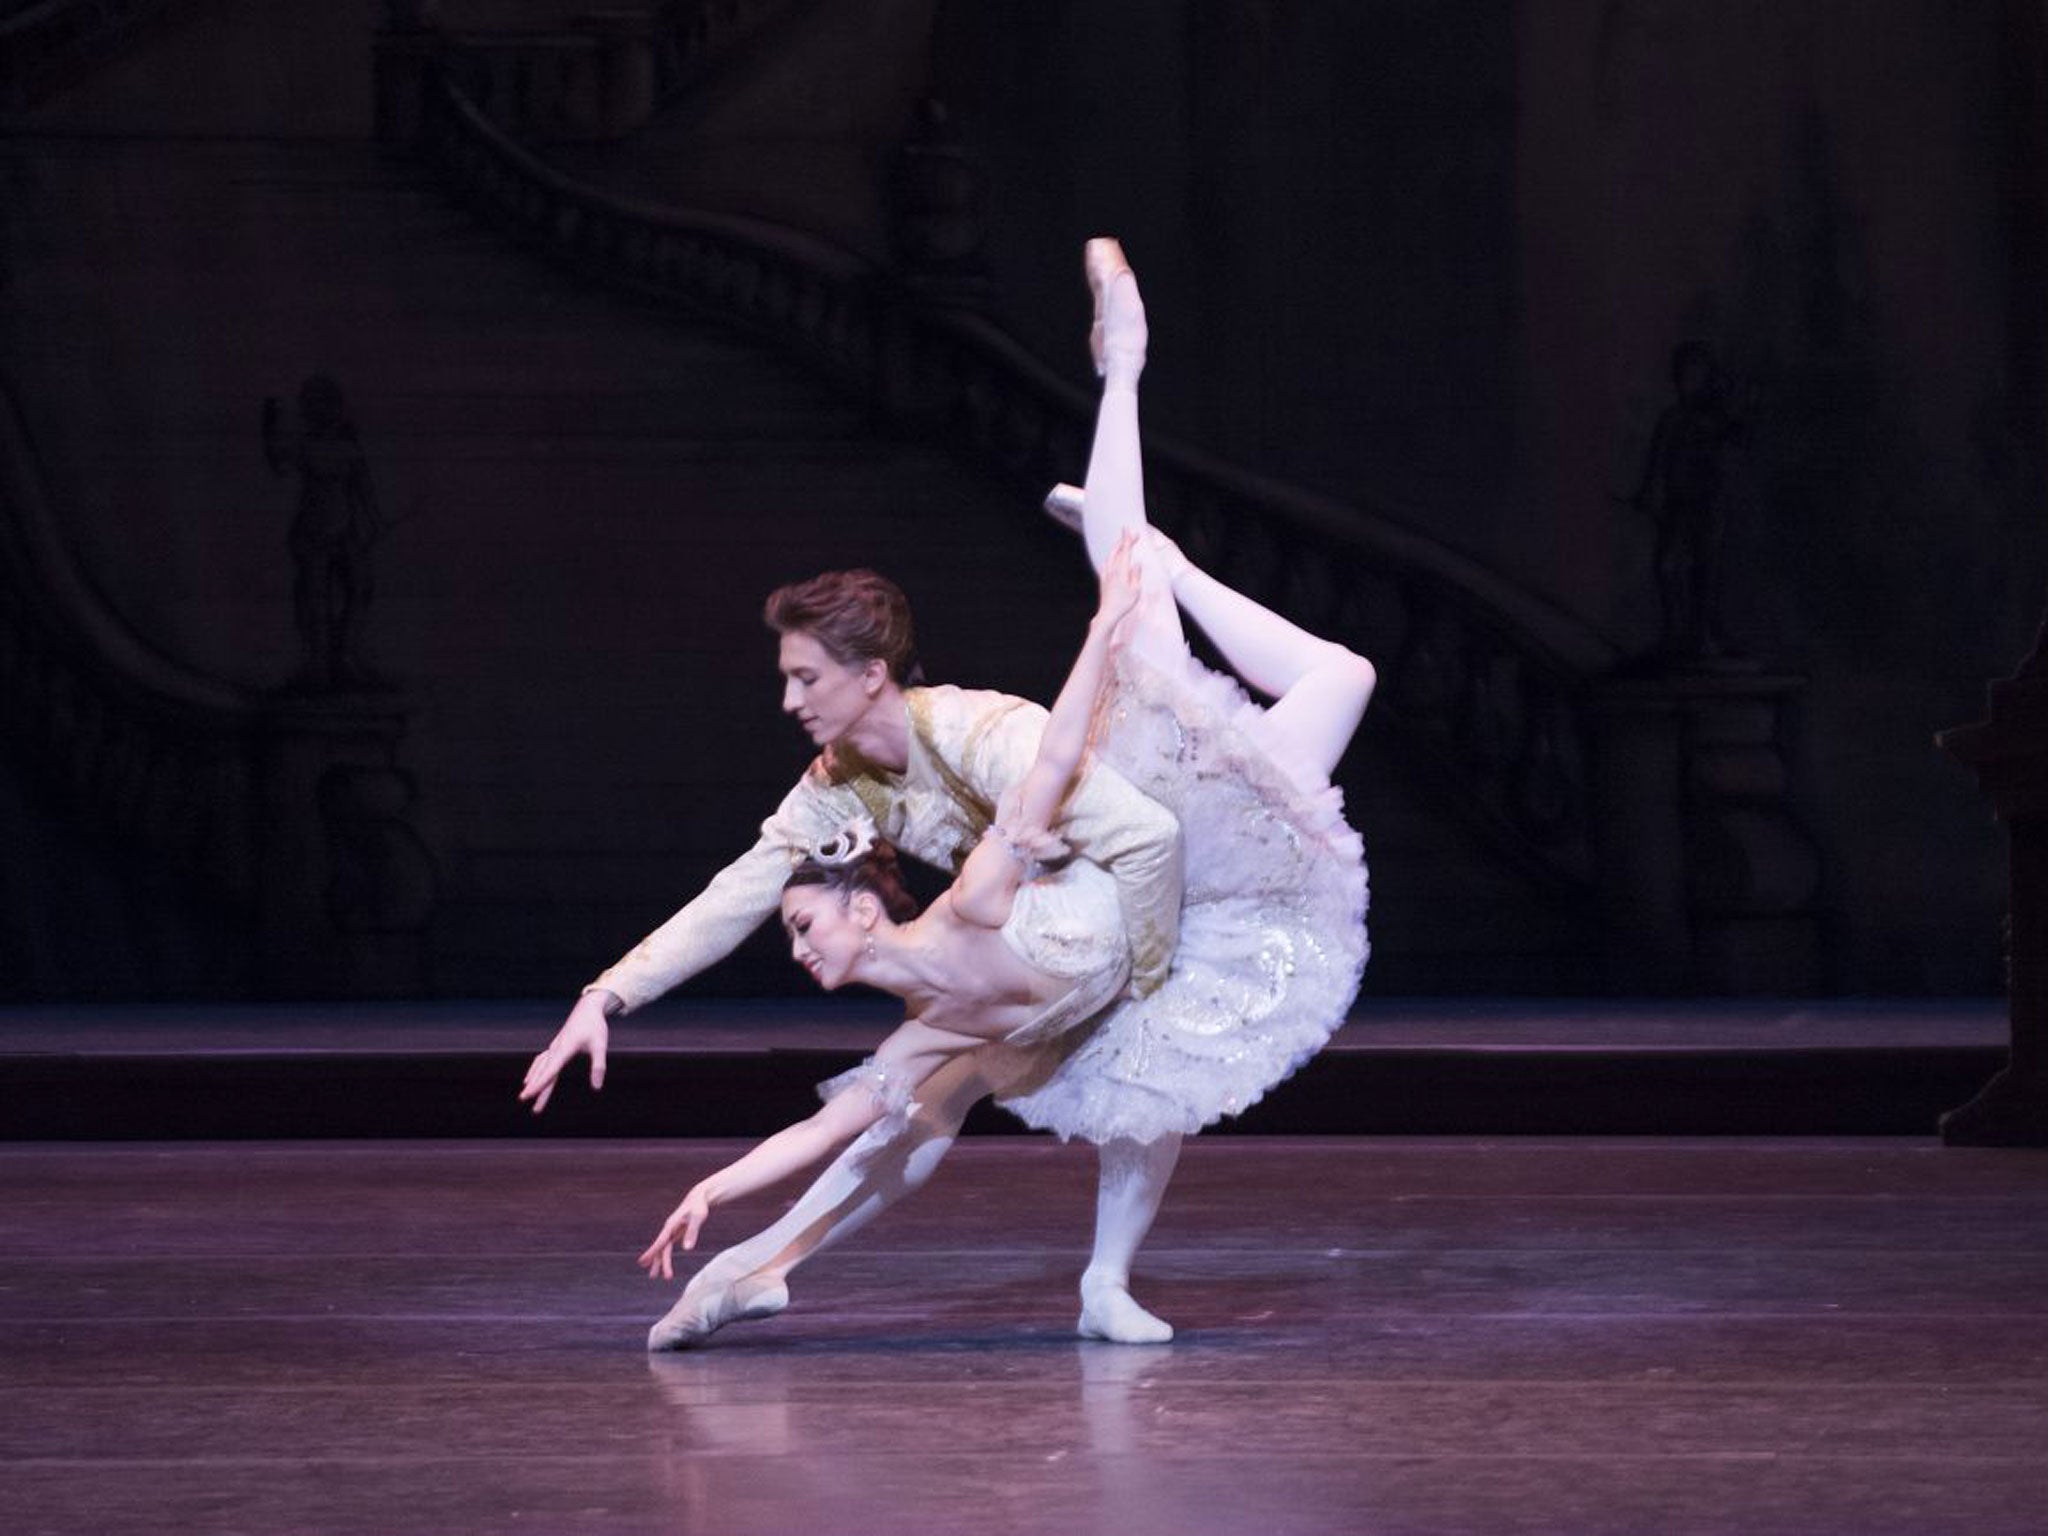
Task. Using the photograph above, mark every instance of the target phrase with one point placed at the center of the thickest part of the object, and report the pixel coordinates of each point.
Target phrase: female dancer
(1008, 952)
(1272, 921)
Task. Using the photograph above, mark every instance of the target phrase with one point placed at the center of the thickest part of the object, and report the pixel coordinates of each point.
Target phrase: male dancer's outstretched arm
(844, 676)
(707, 929)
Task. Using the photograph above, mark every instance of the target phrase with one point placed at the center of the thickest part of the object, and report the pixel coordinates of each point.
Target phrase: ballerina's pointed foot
(1063, 505)
(1166, 557)
(709, 1302)
(1118, 338)
(1111, 1313)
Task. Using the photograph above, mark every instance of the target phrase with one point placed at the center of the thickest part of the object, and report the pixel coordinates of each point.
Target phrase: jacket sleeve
(736, 901)
(1107, 819)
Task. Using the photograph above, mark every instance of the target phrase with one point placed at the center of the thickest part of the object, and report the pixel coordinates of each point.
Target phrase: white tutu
(1272, 923)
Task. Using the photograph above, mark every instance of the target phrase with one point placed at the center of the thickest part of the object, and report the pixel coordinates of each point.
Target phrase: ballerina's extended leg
(1320, 689)
(883, 1164)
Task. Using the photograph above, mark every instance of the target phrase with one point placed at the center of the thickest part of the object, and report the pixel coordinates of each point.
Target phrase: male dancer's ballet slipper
(1118, 335)
(1110, 1313)
(708, 1304)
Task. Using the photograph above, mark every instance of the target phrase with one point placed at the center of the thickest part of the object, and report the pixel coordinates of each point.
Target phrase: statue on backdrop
(1681, 489)
(331, 534)
(937, 188)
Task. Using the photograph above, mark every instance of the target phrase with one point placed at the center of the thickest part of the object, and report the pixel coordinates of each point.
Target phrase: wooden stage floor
(1576, 1336)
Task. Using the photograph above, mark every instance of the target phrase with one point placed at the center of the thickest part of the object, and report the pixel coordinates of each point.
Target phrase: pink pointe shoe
(710, 1301)
(1117, 338)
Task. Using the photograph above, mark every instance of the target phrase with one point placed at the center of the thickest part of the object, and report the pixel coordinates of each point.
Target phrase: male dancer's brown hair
(858, 616)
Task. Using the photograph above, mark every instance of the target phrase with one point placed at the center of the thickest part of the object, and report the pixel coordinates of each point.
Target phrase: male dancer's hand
(587, 1029)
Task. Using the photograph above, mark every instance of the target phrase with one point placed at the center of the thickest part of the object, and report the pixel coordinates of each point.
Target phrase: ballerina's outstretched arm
(788, 1151)
(1024, 827)
(911, 1053)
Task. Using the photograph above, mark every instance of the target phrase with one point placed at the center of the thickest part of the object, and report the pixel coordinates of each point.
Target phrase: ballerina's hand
(1123, 584)
(1026, 842)
(683, 1224)
(585, 1030)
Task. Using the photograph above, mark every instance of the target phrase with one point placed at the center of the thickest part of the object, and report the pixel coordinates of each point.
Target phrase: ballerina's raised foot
(1166, 557)
(1118, 338)
(709, 1302)
(1066, 505)
(1109, 1312)
(1063, 505)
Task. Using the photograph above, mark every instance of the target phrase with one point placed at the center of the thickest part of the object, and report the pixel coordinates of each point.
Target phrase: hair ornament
(849, 845)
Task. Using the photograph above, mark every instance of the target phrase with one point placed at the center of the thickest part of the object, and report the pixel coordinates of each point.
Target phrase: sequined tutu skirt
(1272, 924)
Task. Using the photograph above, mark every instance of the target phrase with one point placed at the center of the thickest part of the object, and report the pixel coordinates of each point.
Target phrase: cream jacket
(967, 747)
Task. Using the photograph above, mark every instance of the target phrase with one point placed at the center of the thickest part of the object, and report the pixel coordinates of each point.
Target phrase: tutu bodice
(1065, 921)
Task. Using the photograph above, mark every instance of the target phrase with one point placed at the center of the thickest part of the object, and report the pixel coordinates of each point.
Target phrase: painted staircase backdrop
(627, 319)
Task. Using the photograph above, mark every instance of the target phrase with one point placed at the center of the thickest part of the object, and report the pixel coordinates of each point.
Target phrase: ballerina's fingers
(1123, 578)
(1040, 844)
(657, 1260)
(683, 1224)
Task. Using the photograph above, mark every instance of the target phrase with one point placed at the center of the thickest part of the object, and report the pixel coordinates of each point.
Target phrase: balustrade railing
(696, 36)
(599, 77)
(1487, 681)
(591, 83)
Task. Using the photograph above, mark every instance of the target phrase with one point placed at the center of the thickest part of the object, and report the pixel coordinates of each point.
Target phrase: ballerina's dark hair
(875, 872)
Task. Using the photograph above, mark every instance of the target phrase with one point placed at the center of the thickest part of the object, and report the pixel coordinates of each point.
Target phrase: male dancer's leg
(1133, 1175)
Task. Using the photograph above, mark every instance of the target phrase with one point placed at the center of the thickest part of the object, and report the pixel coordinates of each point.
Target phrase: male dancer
(929, 765)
